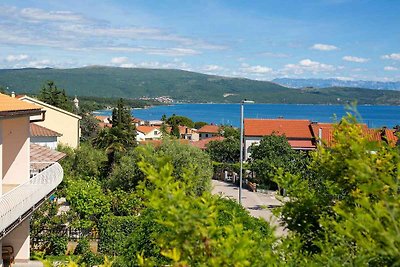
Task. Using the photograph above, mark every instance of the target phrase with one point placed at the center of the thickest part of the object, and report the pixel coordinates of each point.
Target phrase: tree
(272, 153)
(89, 127)
(229, 131)
(199, 124)
(180, 120)
(118, 139)
(50, 94)
(186, 158)
(175, 131)
(181, 228)
(345, 208)
(225, 151)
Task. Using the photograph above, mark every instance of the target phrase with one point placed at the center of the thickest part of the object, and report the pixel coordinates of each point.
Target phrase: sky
(263, 40)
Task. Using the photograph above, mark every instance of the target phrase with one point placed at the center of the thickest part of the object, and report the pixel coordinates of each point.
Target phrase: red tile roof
(37, 130)
(105, 119)
(289, 128)
(146, 129)
(209, 129)
(376, 135)
(41, 156)
(202, 144)
(302, 144)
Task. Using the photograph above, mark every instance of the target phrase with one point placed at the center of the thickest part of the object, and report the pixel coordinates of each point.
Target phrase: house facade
(144, 133)
(42, 136)
(297, 132)
(208, 131)
(59, 120)
(20, 194)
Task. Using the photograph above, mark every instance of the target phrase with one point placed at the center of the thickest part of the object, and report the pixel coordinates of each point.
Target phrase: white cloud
(37, 14)
(355, 59)
(16, 58)
(44, 63)
(255, 69)
(213, 68)
(307, 65)
(390, 68)
(119, 60)
(394, 56)
(157, 65)
(324, 47)
(75, 32)
(127, 65)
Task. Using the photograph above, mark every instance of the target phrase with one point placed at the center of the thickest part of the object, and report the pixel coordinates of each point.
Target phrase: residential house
(297, 132)
(104, 121)
(20, 194)
(59, 120)
(148, 133)
(323, 134)
(188, 133)
(42, 136)
(202, 144)
(208, 131)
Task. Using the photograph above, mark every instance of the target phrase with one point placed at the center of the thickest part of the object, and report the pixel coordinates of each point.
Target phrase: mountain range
(183, 86)
(321, 83)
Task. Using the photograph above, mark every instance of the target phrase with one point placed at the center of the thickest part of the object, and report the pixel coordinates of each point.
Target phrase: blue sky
(357, 39)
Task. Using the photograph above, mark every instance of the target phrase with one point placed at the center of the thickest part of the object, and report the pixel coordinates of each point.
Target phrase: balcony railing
(19, 203)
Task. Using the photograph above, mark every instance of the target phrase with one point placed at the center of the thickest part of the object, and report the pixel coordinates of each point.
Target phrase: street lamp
(245, 101)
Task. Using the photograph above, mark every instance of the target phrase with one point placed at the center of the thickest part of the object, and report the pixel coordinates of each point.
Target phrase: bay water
(373, 116)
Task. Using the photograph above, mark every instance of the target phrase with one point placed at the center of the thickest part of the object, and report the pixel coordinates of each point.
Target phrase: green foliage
(175, 131)
(180, 120)
(119, 139)
(199, 124)
(272, 153)
(50, 94)
(124, 203)
(113, 232)
(87, 198)
(230, 132)
(187, 159)
(226, 151)
(191, 233)
(89, 127)
(48, 230)
(82, 247)
(346, 210)
(126, 175)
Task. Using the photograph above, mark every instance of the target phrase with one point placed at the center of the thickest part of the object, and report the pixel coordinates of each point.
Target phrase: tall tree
(50, 94)
(118, 139)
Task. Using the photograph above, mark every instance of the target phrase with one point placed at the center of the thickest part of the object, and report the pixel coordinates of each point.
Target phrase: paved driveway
(258, 204)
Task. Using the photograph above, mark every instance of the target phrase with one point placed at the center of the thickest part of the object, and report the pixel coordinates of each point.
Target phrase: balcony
(19, 203)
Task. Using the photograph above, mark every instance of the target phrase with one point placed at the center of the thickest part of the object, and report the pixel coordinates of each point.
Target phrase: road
(258, 204)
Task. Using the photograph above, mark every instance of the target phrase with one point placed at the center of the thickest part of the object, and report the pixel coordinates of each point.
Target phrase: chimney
(12, 94)
(320, 136)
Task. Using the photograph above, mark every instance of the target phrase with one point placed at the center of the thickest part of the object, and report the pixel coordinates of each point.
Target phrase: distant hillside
(181, 85)
(321, 83)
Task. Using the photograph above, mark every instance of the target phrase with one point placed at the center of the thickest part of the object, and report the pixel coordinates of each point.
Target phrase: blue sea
(373, 116)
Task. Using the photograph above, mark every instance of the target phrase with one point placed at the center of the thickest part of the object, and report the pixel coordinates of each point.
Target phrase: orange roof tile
(10, 105)
(146, 129)
(37, 130)
(202, 144)
(103, 118)
(289, 128)
(41, 157)
(209, 129)
(302, 144)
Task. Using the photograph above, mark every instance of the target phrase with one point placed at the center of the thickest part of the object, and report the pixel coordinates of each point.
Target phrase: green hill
(181, 85)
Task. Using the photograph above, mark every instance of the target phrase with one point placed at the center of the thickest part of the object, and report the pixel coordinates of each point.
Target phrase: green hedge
(113, 233)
